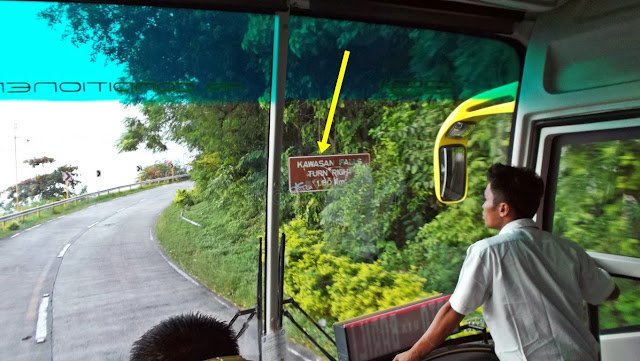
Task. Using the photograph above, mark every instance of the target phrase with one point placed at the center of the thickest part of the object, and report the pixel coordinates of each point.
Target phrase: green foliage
(334, 287)
(229, 129)
(363, 288)
(438, 248)
(223, 252)
(597, 206)
(182, 52)
(350, 218)
(14, 226)
(468, 65)
(625, 311)
(403, 165)
(604, 215)
(184, 198)
(440, 245)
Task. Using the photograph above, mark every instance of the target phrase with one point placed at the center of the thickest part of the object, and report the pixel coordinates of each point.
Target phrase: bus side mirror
(450, 176)
(453, 172)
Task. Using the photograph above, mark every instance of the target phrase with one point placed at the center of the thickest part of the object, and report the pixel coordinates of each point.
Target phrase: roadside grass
(223, 254)
(33, 219)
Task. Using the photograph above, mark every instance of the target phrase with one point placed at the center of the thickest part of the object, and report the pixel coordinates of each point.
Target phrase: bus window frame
(607, 127)
(562, 140)
(532, 156)
(551, 140)
(624, 125)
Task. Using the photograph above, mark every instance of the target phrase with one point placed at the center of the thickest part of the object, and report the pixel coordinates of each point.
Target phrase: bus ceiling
(498, 18)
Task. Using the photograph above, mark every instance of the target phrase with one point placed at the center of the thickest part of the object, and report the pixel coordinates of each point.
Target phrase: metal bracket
(251, 312)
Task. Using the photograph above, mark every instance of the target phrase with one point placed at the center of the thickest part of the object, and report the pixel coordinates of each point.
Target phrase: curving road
(90, 283)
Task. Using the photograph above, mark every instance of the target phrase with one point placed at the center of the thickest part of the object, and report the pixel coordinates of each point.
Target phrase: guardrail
(9, 217)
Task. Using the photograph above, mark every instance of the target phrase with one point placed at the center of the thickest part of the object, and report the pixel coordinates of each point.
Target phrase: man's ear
(504, 209)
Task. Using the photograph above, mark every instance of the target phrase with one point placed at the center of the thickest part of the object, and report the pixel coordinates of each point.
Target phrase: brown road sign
(321, 172)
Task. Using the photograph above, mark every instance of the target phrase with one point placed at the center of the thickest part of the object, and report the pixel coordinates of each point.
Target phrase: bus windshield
(98, 96)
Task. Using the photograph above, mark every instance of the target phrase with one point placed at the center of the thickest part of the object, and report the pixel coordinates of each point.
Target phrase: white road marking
(91, 206)
(220, 302)
(141, 200)
(64, 250)
(41, 328)
(297, 354)
(15, 235)
(28, 229)
(61, 216)
(180, 271)
(51, 220)
(121, 210)
(174, 266)
(93, 224)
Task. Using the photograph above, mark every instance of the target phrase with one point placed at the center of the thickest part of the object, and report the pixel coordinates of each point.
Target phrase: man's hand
(614, 294)
(444, 323)
(406, 356)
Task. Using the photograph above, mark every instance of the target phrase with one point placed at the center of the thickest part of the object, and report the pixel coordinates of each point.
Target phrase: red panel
(387, 332)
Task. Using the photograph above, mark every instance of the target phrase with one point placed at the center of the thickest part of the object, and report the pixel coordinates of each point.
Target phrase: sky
(76, 128)
(83, 134)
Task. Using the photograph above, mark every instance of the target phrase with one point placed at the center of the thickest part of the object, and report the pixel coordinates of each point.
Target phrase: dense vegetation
(381, 239)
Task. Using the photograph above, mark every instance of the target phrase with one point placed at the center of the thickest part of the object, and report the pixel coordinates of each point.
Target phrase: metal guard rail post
(9, 217)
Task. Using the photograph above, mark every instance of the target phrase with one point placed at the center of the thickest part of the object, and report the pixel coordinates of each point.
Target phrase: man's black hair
(187, 337)
(521, 188)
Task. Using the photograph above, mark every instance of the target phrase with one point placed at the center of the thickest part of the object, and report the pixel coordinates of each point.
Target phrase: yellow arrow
(323, 145)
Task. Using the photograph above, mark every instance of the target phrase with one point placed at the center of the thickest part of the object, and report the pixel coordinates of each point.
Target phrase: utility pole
(15, 156)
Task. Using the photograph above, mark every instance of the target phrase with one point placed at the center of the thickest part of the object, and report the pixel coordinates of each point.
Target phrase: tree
(45, 187)
(242, 47)
(202, 48)
(467, 64)
(160, 170)
(34, 162)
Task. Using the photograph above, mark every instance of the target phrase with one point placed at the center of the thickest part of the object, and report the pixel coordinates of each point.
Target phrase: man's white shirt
(531, 285)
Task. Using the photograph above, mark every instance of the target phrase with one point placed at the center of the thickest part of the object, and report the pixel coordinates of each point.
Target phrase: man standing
(530, 283)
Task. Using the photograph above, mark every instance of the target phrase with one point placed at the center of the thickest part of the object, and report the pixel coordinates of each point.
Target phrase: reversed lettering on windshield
(118, 87)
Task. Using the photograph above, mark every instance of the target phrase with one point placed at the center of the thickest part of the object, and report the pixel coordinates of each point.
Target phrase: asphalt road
(92, 282)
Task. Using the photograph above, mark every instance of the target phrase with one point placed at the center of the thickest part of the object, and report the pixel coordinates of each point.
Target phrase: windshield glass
(380, 239)
(101, 96)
